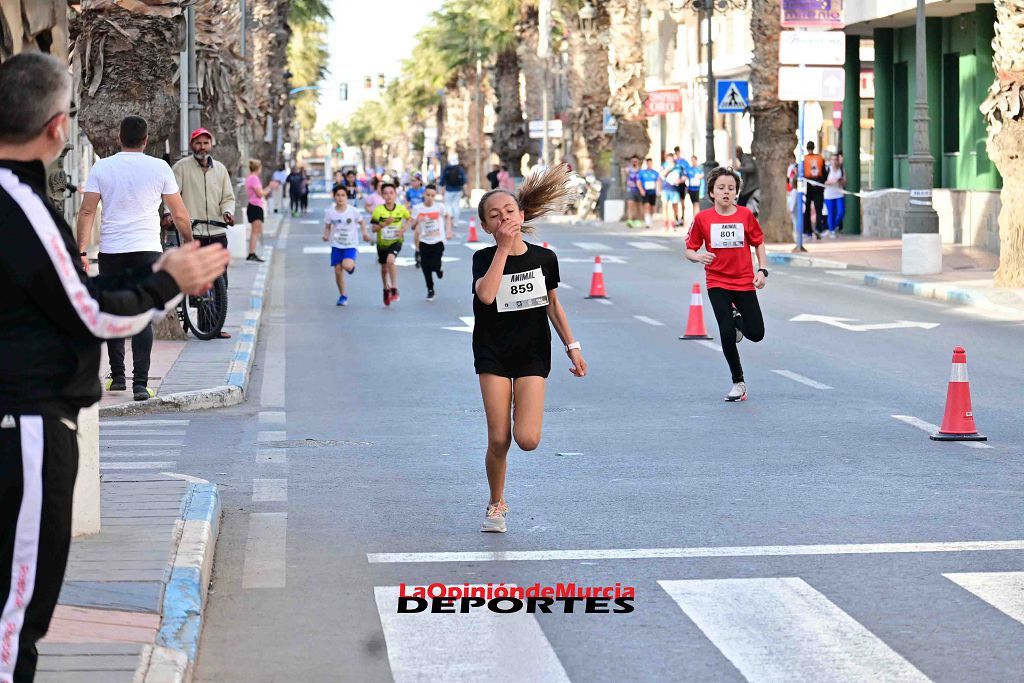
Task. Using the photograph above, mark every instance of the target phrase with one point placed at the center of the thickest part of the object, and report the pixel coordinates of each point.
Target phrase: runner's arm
(487, 286)
(86, 218)
(556, 314)
(179, 213)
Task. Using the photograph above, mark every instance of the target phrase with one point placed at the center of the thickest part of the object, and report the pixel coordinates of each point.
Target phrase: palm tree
(774, 121)
(502, 41)
(588, 90)
(626, 78)
(307, 61)
(1004, 111)
(34, 25)
(270, 34)
(126, 57)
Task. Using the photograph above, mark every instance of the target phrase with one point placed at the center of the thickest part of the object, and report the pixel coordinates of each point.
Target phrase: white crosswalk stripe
(593, 246)
(479, 646)
(1002, 590)
(141, 445)
(649, 246)
(782, 629)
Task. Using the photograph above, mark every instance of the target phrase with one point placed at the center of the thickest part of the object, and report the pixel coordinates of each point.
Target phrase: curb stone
(172, 658)
(232, 392)
(801, 261)
(927, 290)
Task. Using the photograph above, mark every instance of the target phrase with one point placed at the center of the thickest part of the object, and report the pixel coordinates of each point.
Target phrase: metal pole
(183, 103)
(801, 183)
(922, 245)
(479, 118)
(709, 133)
(194, 108)
(545, 148)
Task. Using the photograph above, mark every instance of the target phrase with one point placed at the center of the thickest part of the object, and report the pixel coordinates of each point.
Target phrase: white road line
(784, 630)
(698, 552)
(269, 490)
(317, 250)
(144, 442)
(272, 456)
(271, 435)
(265, 550)
(1002, 590)
(931, 429)
(273, 382)
(107, 431)
(649, 246)
(476, 246)
(709, 344)
(161, 464)
(565, 285)
(162, 453)
(649, 321)
(604, 302)
(593, 246)
(800, 378)
(490, 646)
(276, 417)
(139, 423)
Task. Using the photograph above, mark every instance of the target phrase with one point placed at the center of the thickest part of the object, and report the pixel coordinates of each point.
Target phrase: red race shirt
(729, 238)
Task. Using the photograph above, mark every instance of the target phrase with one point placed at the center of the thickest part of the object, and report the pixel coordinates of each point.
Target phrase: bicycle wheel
(205, 313)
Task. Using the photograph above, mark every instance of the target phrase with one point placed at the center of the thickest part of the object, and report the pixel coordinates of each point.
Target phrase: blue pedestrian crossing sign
(733, 96)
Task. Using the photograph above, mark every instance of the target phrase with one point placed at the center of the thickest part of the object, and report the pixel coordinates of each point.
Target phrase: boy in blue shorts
(342, 224)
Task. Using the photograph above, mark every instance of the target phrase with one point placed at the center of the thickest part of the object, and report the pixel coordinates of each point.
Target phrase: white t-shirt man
(131, 186)
(344, 226)
(431, 222)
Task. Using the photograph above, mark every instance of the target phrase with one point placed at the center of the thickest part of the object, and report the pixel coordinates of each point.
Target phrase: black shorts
(635, 196)
(529, 366)
(254, 213)
(651, 198)
(694, 195)
(382, 252)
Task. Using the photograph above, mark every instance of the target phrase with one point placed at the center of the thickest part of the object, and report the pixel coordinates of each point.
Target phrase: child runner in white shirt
(432, 225)
(342, 224)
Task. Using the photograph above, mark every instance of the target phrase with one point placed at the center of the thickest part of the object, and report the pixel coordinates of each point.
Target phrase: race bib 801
(521, 291)
(727, 235)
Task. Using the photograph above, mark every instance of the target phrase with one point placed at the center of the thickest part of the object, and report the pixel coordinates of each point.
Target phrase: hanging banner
(812, 13)
(663, 102)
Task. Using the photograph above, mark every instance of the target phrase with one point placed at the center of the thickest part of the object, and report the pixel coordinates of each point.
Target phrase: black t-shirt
(522, 331)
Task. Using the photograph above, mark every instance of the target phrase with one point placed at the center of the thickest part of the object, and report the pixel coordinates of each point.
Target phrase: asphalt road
(803, 535)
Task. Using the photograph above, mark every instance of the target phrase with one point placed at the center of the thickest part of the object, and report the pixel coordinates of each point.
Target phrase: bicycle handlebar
(216, 224)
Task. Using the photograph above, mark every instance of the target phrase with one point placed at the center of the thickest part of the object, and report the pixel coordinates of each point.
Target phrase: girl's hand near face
(506, 234)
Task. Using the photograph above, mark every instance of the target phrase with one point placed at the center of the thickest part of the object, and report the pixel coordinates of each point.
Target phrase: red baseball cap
(201, 131)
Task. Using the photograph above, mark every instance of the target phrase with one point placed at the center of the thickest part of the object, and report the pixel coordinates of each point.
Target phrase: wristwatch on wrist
(763, 270)
(83, 253)
(575, 346)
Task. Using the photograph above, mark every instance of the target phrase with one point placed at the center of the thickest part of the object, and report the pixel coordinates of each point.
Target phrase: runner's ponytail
(542, 193)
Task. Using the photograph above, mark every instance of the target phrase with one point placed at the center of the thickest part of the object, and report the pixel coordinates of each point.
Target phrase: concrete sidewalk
(196, 374)
(131, 606)
(966, 277)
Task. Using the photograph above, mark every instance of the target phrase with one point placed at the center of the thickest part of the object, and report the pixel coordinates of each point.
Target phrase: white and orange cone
(472, 237)
(597, 281)
(695, 328)
(958, 420)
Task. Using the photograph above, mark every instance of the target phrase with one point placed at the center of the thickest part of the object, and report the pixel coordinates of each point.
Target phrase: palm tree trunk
(269, 63)
(774, 122)
(1004, 111)
(626, 78)
(532, 68)
(588, 95)
(127, 58)
(509, 132)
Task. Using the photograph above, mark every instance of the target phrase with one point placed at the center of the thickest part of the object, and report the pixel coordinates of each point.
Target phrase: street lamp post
(922, 244)
(194, 108)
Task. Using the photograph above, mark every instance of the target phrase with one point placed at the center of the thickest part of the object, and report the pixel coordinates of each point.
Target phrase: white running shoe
(494, 521)
(737, 393)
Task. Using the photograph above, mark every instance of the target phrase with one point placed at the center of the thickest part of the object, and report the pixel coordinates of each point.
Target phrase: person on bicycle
(131, 186)
(207, 191)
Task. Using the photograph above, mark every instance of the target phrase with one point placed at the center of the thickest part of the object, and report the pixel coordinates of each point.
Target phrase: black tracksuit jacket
(52, 315)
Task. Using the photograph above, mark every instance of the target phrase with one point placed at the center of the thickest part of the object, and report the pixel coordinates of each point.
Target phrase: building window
(951, 103)
(900, 106)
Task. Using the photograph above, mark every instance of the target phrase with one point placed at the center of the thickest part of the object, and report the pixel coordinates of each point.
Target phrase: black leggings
(816, 198)
(430, 261)
(722, 301)
(295, 200)
(142, 342)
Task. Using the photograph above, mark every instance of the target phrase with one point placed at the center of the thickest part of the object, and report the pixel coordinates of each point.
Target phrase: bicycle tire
(205, 314)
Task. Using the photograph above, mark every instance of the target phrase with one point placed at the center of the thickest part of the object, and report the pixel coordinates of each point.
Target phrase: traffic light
(343, 92)
(368, 83)
(381, 83)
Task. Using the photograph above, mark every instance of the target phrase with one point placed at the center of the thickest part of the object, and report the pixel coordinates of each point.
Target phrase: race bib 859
(521, 291)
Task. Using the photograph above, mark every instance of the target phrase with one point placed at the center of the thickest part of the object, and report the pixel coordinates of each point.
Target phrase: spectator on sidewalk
(52, 319)
(131, 186)
(747, 167)
(505, 180)
(293, 184)
(254, 211)
(208, 192)
(453, 177)
(492, 177)
(277, 181)
(835, 181)
(815, 174)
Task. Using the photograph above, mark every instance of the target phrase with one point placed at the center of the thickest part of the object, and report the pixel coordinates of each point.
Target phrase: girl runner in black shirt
(514, 285)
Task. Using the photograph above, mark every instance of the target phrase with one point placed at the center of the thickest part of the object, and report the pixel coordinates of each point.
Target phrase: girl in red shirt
(727, 232)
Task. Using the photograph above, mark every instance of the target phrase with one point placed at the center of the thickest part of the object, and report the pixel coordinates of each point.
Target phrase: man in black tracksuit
(52, 317)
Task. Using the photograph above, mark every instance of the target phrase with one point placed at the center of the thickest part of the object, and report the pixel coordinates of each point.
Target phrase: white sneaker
(831, 235)
(737, 393)
(494, 520)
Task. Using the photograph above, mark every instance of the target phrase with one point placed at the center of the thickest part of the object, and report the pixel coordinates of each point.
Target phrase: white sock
(647, 219)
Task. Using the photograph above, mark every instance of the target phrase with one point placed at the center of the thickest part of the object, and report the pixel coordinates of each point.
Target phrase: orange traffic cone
(472, 230)
(548, 246)
(958, 422)
(695, 323)
(597, 282)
